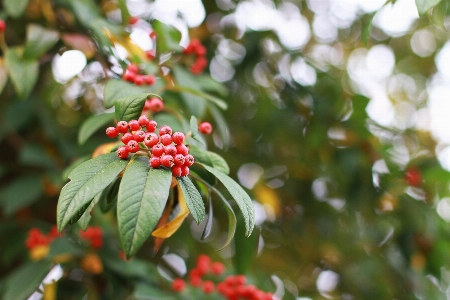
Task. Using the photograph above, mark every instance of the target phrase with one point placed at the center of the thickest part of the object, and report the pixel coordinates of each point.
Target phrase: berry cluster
(165, 148)
(154, 104)
(94, 235)
(2, 26)
(36, 238)
(200, 63)
(132, 75)
(231, 287)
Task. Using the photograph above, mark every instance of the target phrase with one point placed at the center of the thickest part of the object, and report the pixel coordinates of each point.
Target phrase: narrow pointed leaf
(39, 40)
(242, 199)
(130, 107)
(221, 125)
(210, 158)
(194, 103)
(193, 198)
(91, 125)
(86, 217)
(208, 225)
(168, 37)
(117, 88)
(87, 180)
(423, 6)
(143, 194)
(24, 72)
(15, 8)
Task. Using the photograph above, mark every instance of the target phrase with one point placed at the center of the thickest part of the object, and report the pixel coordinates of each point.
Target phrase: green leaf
(170, 120)
(124, 11)
(86, 11)
(246, 249)
(117, 88)
(24, 72)
(221, 123)
(143, 194)
(242, 199)
(83, 221)
(208, 84)
(210, 158)
(194, 103)
(193, 126)
(209, 219)
(91, 125)
(25, 280)
(365, 34)
(423, 6)
(39, 40)
(87, 180)
(193, 198)
(109, 196)
(15, 8)
(20, 193)
(130, 107)
(439, 13)
(3, 76)
(168, 37)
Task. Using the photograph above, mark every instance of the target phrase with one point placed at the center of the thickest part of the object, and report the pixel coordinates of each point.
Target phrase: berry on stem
(133, 20)
(178, 159)
(170, 150)
(208, 287)
(178, 285)
(182, 149)
(112, 132)
(167, 160)
(151, 139)
(133, 146)
(165, 130)
(184, 171)
(139, 136)
(151, 126)
(122, 126)
(188, 160)
(166, 139)
(178, 138)
(133, 125)
(127, 137)
(155, 162)
(143, 120)
(139, 80)
(176, 171)
(156, 105)
(149, 79)
(122, 152)
(2, 26)
(158, 150)
(205, 128)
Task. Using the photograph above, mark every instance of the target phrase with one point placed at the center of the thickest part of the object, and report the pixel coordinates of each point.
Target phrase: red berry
(127, 137)
(195, 281)
(166, 139)
(129, 76)
(94, 235)
(143, 121)
(158, 150)
(240, 280)
(182, 149)
(178, 159)
(147, 105)
(152, 34)
(150, 55)
(133, 146)
(139, 80)
(112, 132)
(155, 162)
(167, 160)
(139, 136)
(151, 139)
(170, 150)
(188, 160)
(151, 126)
(165, 130)
(122, 152)
(208, 287)
(176, 171)
(268, 296)
(2, 26)
(200, 50)
(133, 68)
(217, 268)
(133, 20)
(133, 125)
(178, 285)
(178, 138)
(122, 126)
(149, 79)
(156, 105)
(413, 176)
(205, 128)
(184, 171)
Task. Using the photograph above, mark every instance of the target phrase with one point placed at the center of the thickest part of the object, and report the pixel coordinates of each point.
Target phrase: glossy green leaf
(83, 221)
(423, 6)
(117, 88)
(143, 194)
(87, 180)
(15, 8)
(24, 72)
(193, 125)
(39, 40)
(20, 193)
(209, 219)
(189, 89)
(168, 37)
(130, 107)
(109, 196)
(92, 124)
(193, 198)
(242, 199)
(210, 158)
(246, 249)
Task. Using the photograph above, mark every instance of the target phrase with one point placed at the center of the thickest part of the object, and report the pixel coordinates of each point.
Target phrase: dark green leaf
(210, 158)
(208, 84)
(168, 37)
(117, 88)
(87, 180)
(109, 196)
(21, 193)
(242, 199)
(208, 225)
(73, 165)
(194, 103)
(91, 125)
(65, 245)
(194, 131)
(130, 107)
(423, 6)
(83, 221)
(150, 292)
(143, 194)
(24, 72)
(3, 76)
(245, 248)
(79, 213)
(39, 40)
(15, 8)
(36, 155)
(193, 198)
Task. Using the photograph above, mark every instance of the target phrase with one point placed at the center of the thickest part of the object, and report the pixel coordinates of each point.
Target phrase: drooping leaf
(193, 125)
(143, 193)
(92, 124)
(15, 8)
(209, 216)
(221, 124)
(210, 158)
(168, 37)
(116, 89)
(193, 198)
(130, 107)
(365, 34)
(423, 6)
(188, 88)
(87, 180)
(24, 72)
(242, 199)
(39, 40)
(208, 84)
(83, 221)
(163, 118)
(3, 75)
(21, 192)
(86, 11)
(124, 11)
(245, 249)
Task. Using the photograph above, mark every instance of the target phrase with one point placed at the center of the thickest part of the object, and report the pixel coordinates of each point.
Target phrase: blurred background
(338, 128)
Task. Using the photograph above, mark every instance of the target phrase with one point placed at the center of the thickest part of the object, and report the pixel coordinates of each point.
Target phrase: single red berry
(196, 70)
(165, 130)
(268, 296)
(151, 126)
(166, 139)
(112, 132)
(188, 160)
(158, 150)
(139, 80)
(413, 176)
(122, 126)
(176, 171)
(152, 34)
(149, 79)
(240, 280)
(155, 162)
(2, 26)
(205, 128)
(122, 152)
(156, 105)
(258, 294)
(127, 137)
(143, 120)
(147, 105)
(133, 125)
(139, 136)
(195, 281)
(201, 62)
(129, 76)
(178, 137)
(178, 285)
(133, 146)
(178, 159)
(208, 287)
(217, 268)
(200, 50)
(133, 68)
(182, 149)
(184, 171)
(170, 150)
(167, 160)
(151, 139)
(133, 20)
(150, 55)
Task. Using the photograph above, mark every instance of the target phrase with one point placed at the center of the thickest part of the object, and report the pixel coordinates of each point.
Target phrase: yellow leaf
(103, 149)
(267, 196)
(133, 49)
(50, 291)
(171, 227)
